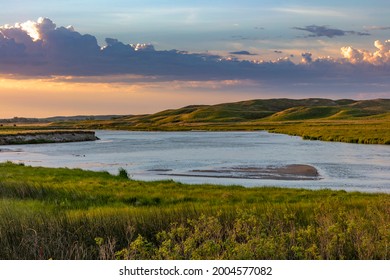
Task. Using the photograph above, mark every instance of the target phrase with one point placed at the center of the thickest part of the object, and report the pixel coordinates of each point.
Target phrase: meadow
(48, 213)
(364, 122)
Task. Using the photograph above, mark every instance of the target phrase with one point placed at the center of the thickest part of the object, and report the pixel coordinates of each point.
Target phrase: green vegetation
(363, 131)
(365, 122)
(349, 121)
(74, 214)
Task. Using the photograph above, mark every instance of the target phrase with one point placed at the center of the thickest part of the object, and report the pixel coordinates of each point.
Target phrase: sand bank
(285, 172)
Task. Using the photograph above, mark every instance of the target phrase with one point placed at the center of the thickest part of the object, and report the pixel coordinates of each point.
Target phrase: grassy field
(73, 214)
(349, 121)
(364, 122)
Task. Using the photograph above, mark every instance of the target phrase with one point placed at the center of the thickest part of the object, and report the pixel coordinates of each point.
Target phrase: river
(218, 158)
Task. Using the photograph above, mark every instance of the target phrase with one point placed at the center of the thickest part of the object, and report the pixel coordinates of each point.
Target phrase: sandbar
(288, 172)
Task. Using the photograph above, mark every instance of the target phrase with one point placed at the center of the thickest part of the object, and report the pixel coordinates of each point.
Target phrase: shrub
(123, 174)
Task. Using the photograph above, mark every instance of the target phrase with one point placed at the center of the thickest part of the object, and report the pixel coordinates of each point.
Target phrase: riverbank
(74, 214)
(350, 121)
(56, 136)
(360, 122)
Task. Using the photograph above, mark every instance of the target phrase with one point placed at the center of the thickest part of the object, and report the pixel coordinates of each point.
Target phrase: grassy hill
(271, 109)
(252, 110)
(345, 120)
(365, 121)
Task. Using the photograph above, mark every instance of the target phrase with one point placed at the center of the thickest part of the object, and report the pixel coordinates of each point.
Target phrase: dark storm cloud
(43, 49)
(324, 31)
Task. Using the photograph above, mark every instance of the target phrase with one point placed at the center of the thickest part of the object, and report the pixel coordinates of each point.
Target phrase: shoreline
(41, 137)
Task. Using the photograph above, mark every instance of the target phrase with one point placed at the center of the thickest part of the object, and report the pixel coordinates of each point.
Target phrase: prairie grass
(349, 131)
(73, 214)
(363, 122)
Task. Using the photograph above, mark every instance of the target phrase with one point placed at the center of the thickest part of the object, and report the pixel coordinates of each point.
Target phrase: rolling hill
(345, 120)
(266, 110)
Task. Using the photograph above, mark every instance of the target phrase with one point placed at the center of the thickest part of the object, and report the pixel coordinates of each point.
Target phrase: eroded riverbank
(46, 137)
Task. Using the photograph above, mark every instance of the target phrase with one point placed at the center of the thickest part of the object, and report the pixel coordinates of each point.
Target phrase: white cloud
(353, 55)
(143, 47)
(37, 30)
(318, 11)
(379, 57)
(376, 27)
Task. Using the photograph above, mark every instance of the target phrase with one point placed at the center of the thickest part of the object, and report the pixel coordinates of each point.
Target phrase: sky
(133, 57)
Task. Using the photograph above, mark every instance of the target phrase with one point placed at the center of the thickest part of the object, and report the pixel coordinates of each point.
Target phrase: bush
(123, 174)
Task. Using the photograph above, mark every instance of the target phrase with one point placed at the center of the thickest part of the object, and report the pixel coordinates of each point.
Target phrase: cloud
(40, 29)
(377, 28)
(307, 57)
(379, 57)
(312, 12)
(10, 50)
(114, 48)
(40, 48)
(243, 38)
(143, 47)
(324, 31)
(242, 53)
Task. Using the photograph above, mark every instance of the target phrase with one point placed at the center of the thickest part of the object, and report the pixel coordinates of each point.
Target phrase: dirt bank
(46, 137)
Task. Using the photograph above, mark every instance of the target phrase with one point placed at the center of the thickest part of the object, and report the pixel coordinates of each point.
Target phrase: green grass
(74, 214)
(366, 122)
(365, 131)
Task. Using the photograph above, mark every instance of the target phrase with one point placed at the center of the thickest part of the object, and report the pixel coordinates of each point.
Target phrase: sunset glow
(123, 59)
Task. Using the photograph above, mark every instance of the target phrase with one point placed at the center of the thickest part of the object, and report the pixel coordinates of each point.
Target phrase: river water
(179, 155)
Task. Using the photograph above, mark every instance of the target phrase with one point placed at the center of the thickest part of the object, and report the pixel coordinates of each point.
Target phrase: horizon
(141, 58)
(177, 108)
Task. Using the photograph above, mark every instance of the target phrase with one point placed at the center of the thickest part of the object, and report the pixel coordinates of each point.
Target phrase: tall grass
(73, 214)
